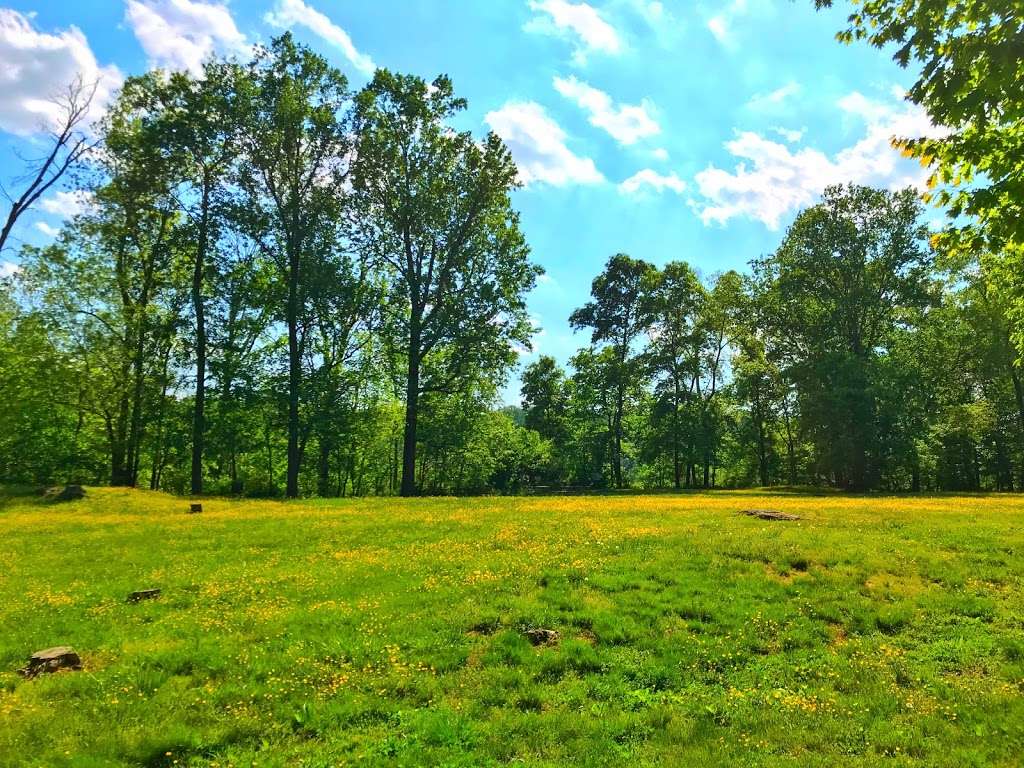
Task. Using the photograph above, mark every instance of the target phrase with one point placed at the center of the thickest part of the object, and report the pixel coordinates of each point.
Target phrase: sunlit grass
(875, 630)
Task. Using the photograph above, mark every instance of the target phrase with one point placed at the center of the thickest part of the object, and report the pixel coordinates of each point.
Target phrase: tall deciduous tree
(673, 354)
(544, 397)
(623, 307)
(433, 209)
(194, 119)
(296, 144)
(845, 275)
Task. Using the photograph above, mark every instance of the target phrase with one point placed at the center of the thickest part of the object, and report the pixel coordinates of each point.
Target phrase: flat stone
(52, 660)
(541, 636)
(195, 508)
(143, 594)
(768, 514)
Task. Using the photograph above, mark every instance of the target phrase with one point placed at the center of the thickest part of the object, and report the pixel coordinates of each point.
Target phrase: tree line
(850, 357)
(282, 286)
(277, 276)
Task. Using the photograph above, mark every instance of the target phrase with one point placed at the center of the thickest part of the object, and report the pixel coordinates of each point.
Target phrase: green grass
(874, 631)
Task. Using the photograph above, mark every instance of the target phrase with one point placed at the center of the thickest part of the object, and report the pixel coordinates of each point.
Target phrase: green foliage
(969, 83)
(434, 213)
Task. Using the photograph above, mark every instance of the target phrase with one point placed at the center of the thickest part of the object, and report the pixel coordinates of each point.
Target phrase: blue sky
(666, 130)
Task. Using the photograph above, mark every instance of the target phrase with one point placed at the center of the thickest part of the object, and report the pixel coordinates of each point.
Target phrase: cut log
(195, 508)
(768, 514)
(143, 594)
(67, 493)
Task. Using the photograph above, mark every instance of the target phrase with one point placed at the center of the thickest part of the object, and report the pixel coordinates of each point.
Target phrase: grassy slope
(874, 631)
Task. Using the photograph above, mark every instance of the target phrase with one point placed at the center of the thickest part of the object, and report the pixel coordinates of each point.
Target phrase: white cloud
(289, 13)
(789, 135)
(652, 11)
(8, 269)
(67, 204)
(721, 23)
(578, 21)
(36, 67)
(181, 34)
(762, 101)
(537, 144)
(46, 229)
(660, 153)
(772, 181)
(649, 178)
(626, 123)
(717, 25)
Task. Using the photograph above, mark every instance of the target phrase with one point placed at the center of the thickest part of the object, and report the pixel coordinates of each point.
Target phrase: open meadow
(875, 630)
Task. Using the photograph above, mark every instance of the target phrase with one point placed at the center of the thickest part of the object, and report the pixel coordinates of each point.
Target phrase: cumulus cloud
(67, 204)
(537, 144)
(46, 229)
(580, 22)
(37, 67)
(8, 269)
(181, 34)
(772, 181)
(652, 180)
(290, 13)
(626, 123)
(660, 153)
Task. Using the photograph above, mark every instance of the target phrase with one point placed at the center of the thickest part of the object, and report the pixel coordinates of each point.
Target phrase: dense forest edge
(281, 286)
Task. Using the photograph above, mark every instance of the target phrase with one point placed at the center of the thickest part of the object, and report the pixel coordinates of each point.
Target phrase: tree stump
(52, 660)
(541, 636)
(195, 508)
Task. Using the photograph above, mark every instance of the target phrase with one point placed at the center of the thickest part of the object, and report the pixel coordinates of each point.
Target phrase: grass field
(874, 631)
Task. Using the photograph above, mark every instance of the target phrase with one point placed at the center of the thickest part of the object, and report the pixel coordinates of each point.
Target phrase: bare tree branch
(69, 144)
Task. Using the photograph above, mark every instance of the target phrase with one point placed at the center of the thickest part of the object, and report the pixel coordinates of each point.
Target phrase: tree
(68, 146)
(194, 121)
(622, 309)
(544, 397)
(843, 279)
(433, 209)
(969, 54)
(673, 354)
(295, 146)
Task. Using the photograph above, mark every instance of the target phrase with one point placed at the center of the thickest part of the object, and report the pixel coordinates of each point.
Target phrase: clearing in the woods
(874, 630)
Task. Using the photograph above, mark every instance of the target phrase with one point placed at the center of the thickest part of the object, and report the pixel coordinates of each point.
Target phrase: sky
(665, 129)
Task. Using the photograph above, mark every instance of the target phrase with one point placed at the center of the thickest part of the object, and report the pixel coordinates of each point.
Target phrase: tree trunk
(676, 467)
(790, 449)
(323, 482)
(135, 430)
(294, 375)
(158, 450)
(412, 396)
(199, 408)
(619, 408)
